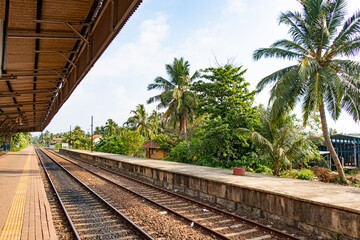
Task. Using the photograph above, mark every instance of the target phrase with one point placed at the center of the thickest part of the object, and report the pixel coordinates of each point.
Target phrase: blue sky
(199, 31)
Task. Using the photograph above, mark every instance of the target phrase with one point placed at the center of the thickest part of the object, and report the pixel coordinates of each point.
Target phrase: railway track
(89, 215)
(223, 225)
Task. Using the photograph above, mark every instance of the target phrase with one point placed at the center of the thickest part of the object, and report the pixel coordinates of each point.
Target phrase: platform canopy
(46, 49)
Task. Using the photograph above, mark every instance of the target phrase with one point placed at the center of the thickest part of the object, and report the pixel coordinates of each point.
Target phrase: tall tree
(140, 122)
(320, 78)
(99, 130)
(111, 127)
(176, 95)
(226, 101)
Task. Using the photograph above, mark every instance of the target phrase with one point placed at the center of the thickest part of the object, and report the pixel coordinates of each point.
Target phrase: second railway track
(216, 222)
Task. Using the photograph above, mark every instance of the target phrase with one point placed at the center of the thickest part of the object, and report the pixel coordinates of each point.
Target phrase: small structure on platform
(347, 148)
(56, 140)
(153, 150)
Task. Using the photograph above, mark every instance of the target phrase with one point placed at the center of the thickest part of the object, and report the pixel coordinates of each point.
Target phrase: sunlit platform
(24, 209)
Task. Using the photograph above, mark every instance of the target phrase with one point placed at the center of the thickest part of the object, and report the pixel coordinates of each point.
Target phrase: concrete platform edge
(313, 217)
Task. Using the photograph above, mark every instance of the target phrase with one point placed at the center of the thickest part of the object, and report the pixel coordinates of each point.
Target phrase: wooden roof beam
(43, 35)
(21, 112)
(14, 76)
(23, 104)
(18, 93)
(62, 22)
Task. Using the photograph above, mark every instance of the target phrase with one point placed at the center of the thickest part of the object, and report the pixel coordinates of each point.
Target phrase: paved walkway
(342, 197)
(24, 209)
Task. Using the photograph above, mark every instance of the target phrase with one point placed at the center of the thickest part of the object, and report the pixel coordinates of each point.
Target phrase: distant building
(56, 140)
(96, 138)
(348, 149)
(153, 150)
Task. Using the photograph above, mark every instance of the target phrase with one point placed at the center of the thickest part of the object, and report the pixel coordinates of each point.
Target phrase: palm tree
(140, 121)
(156, 121)
(176, 96)
(321, 77)
(281, 143)
(99, 130)
(111, 127)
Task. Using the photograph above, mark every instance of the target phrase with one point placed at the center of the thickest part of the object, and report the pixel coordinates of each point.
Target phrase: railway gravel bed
(228, 226)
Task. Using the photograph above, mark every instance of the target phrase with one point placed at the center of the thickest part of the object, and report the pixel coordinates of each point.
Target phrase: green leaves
(282, 143)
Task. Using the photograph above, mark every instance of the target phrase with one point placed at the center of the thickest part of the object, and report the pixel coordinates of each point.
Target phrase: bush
(305, 174)
(110, 144)
(132, 141)
(58, 145)
(351, 171)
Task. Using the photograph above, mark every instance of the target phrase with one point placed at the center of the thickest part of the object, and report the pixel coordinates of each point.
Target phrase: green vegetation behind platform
(208, 117)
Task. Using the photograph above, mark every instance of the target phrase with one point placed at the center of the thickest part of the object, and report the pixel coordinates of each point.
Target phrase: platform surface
(327, 194)
(24, 209)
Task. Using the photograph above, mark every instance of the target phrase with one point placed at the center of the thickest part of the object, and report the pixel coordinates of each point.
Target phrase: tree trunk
(184, 125)
(331, 148)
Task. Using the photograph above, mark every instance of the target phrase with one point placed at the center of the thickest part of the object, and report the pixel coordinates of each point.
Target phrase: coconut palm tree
(176, 96)
(156, 121)
(140, 121)
(282, 143)
(111, 127)
(321, 77)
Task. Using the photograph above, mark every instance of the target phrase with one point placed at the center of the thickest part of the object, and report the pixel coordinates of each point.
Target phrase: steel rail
(152, 201)
(264, 227)
(135, 226)
(77, 236)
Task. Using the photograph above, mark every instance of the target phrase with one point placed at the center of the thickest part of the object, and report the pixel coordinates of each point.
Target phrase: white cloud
(154, 31)
(234, 6)
(139, 56)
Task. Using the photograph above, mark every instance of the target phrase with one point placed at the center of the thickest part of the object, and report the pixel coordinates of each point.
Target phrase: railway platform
(324, 210)
(24, 209)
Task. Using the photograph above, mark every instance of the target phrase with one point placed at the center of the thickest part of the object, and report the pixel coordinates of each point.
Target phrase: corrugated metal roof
(50, 46)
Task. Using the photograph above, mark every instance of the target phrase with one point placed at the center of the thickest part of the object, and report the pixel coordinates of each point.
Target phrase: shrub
(305, 174)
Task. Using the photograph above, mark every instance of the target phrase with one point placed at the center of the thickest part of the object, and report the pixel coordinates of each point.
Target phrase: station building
(347, 148)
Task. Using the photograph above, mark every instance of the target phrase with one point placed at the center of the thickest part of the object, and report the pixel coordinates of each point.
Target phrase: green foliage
(132, 142)
(180, 102)
(320, 77)
(111, 144)
(282, 143)
(255, 163)
(45, 139)
(351, 171)
(58, 145)
(76, 138)
(305, 174)
(19, 141)
(226, 101)
(164, 142)
(142, 123)
(111, 127)
(224, 93)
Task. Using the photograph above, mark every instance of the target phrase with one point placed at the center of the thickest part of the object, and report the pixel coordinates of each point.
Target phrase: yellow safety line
(14, 221)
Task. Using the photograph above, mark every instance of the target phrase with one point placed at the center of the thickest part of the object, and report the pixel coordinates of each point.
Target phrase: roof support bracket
(67, 59)
(77, 33)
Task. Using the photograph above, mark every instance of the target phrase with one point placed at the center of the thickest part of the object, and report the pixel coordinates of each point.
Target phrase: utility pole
(70, 138)
(92, 133)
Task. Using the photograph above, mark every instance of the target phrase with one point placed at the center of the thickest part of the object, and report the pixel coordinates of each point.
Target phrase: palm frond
(289, 45)
(349, 31)
(274, 77)
(161, 84)
(275, 53)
